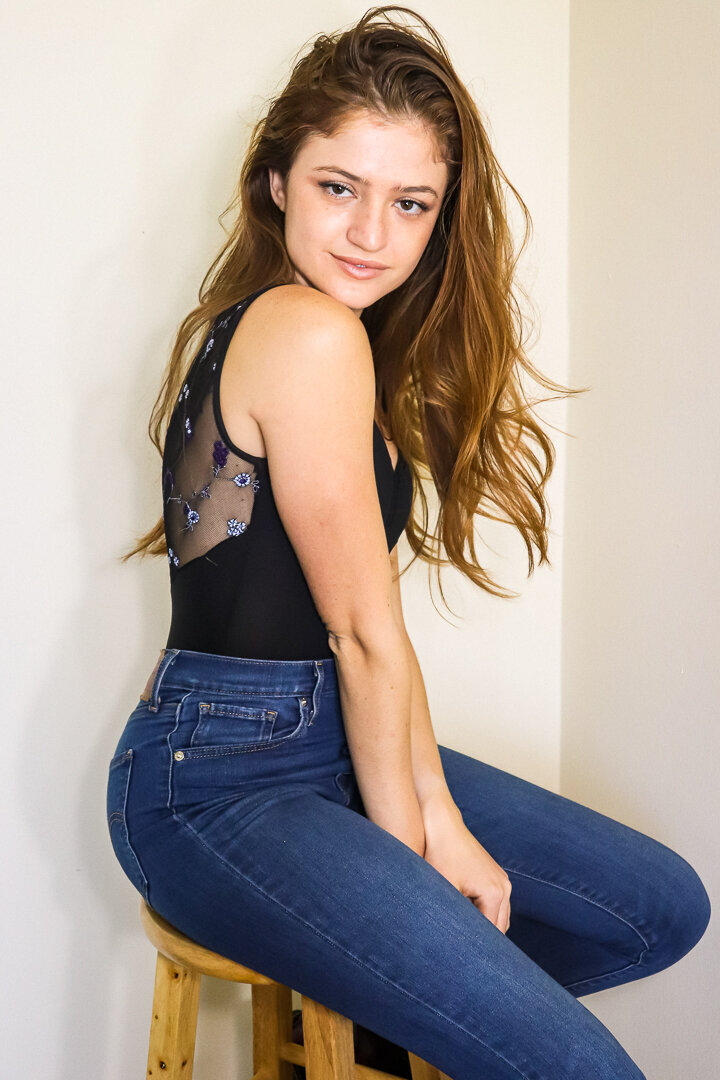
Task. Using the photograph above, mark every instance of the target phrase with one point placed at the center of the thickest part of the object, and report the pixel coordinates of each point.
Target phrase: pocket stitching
(207, 710)
(191, 752)
(222, 708)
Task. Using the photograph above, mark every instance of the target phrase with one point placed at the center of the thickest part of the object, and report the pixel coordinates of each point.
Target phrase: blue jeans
(234, 810)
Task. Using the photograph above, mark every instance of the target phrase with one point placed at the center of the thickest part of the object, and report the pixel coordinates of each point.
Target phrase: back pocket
(118, 785)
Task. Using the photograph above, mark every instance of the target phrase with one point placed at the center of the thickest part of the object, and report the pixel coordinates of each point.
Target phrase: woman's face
(371, 194)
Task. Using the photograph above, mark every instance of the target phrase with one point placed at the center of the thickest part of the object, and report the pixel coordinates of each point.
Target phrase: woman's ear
(277, 188)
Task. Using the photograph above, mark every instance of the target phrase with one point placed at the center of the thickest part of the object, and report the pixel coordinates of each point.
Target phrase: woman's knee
(679, 907)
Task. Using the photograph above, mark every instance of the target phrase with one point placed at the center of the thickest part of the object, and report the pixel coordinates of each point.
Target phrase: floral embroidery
(220, 454)
(192, 515)
(208, 458)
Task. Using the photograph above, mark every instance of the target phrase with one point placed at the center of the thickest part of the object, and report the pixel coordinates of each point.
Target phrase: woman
(277, 793)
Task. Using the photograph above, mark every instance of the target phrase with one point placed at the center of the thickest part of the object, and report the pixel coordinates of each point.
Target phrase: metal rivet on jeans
(179, 755)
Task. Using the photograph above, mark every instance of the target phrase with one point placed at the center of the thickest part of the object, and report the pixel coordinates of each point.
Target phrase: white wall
(640, 620)
(121, 148)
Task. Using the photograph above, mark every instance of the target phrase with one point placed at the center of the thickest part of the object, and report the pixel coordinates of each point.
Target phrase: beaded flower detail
(220, 454)
(208, 490)
(201, 508)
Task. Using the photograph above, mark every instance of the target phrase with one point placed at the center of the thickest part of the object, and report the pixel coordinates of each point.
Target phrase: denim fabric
(234, 810)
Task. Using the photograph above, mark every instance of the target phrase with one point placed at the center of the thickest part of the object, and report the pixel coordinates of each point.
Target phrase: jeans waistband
(184, 669)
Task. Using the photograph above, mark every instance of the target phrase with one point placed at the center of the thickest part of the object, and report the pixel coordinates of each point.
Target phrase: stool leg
(174, 1021)
(422, 1071)
(272, 1028)
(329, 1046)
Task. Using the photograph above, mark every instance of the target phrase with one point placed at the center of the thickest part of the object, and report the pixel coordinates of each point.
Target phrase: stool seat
(187, 953)
(328, 1052)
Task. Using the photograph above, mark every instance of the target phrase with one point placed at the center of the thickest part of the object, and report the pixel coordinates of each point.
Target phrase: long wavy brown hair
(448, 343)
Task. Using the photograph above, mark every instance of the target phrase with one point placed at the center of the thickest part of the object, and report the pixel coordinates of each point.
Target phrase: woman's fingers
(495, 905)
(503, 921)
(455, 852)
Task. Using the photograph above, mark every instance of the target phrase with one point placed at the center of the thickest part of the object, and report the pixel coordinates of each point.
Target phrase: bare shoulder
(285, 334)
(298, 315)
(292, 342)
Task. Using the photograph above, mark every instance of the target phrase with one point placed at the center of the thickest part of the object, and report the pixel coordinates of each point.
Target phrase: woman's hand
(453, 850)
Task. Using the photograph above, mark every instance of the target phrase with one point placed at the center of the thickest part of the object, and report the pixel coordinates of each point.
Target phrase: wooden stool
(328, 1053)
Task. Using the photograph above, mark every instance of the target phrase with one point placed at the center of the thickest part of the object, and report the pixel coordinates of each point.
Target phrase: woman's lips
(355, 271)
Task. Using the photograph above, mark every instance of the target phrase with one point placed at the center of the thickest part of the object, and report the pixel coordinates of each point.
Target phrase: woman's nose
(368, 227)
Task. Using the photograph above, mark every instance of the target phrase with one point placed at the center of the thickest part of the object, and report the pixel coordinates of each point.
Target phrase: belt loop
(167, 659)
(317, 689)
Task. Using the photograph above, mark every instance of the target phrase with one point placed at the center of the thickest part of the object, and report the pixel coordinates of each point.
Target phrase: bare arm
(312, 389)
(428, 776)
(449, 846)
(375, 686)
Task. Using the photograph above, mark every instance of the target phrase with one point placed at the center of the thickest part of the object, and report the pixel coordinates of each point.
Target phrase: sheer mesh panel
(208, 494)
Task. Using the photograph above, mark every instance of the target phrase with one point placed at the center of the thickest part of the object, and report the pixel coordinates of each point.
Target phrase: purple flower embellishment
(192, 515)
(205, 493)
(235, 527)
(172, 557)
(220, 453)
(188, 428)
(242, 479)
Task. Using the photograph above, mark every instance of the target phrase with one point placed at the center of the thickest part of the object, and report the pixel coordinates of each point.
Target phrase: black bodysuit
(236, 584)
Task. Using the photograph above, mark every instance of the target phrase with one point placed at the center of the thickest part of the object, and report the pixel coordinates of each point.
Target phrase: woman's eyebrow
(362, 180)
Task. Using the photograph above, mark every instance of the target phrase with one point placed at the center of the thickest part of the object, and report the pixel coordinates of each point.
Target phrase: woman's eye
(334, 184)
(421, 207)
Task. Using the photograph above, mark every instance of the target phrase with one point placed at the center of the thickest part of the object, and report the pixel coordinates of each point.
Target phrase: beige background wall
(121, 150)
(640, 738)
